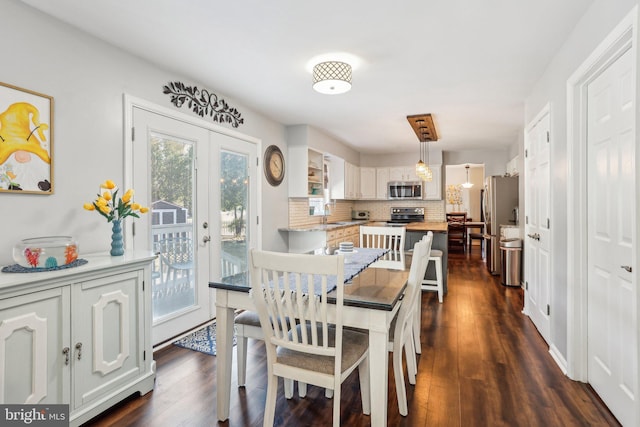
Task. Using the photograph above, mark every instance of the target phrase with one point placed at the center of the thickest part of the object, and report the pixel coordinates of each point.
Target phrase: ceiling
(470, 63)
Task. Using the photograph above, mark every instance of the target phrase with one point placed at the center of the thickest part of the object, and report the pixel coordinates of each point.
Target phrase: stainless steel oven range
(403, 216)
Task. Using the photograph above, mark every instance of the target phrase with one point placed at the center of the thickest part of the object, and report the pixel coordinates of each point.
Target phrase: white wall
(598, 21)
(87, 79)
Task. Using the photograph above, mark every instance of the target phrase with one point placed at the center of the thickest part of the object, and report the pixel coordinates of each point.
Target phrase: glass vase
(117, 245)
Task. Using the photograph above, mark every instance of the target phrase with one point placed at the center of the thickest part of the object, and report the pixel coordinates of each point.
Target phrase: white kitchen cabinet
(367, 183)
(79, 336)
(512, 166)
(306, 175)
(382, 181)
(403, 173)
(433, 189)
(352, 181)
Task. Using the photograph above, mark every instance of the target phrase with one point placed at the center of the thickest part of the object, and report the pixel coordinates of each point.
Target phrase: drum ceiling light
(332, 77)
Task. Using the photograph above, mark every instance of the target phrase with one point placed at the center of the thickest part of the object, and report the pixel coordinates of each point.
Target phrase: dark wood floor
(483, 363)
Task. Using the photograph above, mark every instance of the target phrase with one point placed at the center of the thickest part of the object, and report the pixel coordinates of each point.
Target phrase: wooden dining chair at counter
(457, 233)
(290, 295)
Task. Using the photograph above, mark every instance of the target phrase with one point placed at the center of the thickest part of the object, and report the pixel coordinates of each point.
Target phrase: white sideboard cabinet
(79, 336)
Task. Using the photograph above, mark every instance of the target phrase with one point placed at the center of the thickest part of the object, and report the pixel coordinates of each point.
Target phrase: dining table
(372, 295)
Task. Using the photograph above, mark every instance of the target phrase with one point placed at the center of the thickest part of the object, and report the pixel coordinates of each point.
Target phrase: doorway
(603, 233)
(201, 185)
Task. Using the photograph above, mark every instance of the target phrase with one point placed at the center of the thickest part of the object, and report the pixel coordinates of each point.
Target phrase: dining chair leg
(417, 325)
(365, 386)
(241, 352)
(398, 374)
(288, 388)
(270, 404)
(302, 389)
(412, 363)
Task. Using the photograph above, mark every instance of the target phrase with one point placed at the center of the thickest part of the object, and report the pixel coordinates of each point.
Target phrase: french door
(201, 187)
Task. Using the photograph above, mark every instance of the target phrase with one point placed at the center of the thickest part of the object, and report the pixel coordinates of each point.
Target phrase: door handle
(627, 268)
(206, 239)
(65, 352)
(79, 348)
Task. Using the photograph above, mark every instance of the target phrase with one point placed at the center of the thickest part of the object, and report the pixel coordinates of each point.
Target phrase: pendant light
(428, 174)
(467, 184)
(420, 166)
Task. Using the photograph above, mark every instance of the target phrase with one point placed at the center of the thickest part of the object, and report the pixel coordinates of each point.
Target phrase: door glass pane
(172, 195)
(234, 211)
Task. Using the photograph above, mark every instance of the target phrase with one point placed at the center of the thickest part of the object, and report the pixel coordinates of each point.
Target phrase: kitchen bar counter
(436, 227)
(326, 227)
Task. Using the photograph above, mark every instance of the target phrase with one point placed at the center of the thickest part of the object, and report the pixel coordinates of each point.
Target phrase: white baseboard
(559, 359)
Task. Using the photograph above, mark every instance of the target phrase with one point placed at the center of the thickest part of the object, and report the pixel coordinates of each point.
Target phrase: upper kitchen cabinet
(382, 181)
(512, 166)
(367, 183)
(306, 174)
(433, 189)
(403, 173)
(352, 181)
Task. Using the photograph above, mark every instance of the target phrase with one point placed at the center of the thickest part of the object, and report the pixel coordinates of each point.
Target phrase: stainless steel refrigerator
(500, 198)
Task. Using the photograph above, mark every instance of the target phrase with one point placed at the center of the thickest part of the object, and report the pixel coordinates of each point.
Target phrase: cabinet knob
(79, 350)
(66, 351)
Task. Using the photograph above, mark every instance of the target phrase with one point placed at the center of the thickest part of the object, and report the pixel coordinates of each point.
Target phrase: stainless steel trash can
(511, 260)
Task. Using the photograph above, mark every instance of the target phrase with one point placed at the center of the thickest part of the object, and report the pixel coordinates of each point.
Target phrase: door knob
(627, 268)
(206, 239)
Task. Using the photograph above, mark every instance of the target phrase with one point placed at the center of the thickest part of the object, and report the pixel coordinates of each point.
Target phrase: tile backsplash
(380, 210)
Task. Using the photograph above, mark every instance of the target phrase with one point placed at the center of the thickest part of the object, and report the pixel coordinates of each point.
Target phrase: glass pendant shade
(467, 184)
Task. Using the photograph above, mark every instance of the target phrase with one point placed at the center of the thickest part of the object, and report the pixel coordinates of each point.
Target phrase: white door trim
(622, 38)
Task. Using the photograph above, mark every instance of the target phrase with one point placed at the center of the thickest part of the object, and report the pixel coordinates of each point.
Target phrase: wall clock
(273, 165)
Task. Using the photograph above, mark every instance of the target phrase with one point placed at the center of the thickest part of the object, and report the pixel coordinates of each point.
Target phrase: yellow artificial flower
(101, 201)
(89, 207)
(144, 210)
(135, 206)
(108, 184)
(127, 196)
(105, 209)
(106, 195)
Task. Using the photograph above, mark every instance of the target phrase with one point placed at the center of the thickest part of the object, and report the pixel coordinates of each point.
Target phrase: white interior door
(171, 164)
(537, 242)
(612, 266)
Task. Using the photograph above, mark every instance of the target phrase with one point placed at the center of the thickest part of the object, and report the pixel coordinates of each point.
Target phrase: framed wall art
(26, 141)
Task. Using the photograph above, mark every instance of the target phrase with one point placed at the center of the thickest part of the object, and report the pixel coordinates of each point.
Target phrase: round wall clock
(274, 165)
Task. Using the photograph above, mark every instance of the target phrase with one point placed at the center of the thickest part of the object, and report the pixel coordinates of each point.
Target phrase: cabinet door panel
(106, 322)
(33, 332)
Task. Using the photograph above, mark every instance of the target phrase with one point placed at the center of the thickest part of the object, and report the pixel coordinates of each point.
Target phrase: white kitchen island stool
(438, 284)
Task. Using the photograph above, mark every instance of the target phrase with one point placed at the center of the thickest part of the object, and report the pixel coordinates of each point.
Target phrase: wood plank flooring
(483, 364)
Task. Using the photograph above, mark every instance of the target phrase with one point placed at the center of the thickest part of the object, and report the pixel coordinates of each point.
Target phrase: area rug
(202, 340)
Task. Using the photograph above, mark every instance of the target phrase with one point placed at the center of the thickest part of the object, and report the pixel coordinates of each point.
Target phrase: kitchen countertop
(436, 227)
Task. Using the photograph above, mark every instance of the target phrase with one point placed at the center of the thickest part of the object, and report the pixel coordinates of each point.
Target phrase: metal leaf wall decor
(203, 103)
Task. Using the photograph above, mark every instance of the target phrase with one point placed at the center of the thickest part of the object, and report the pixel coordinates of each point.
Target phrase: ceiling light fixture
(467, 184)
(332, 77)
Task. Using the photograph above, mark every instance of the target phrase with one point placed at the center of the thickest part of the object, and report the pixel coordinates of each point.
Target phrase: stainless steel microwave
(405, 189)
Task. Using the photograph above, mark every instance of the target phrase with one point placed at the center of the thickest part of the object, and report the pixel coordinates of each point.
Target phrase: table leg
(224, 338)
(378, 375)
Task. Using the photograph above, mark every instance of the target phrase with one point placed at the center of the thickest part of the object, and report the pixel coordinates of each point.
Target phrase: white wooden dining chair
(391, 238)
(436, 256)
(290, 295)
(401, 335)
